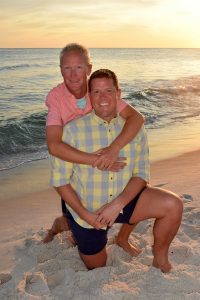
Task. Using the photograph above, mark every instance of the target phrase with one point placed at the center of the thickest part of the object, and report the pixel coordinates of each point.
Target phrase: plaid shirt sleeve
(61, 170)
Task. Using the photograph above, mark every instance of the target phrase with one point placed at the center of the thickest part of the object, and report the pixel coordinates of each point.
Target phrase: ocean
(163, 84)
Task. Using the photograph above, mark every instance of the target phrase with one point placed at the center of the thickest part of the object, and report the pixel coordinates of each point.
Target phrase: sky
(100, 24)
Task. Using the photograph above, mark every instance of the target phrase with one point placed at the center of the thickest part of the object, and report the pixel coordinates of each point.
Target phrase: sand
(32, 270)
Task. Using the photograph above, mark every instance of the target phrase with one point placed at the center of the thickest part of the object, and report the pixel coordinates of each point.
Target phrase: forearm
(64, 151)
(70, 154)
(131, 190)
(69, 195)
(126, 135)
(134, 121)
(109, 212)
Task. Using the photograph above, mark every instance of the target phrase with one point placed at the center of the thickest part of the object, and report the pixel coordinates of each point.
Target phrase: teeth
(104, 104)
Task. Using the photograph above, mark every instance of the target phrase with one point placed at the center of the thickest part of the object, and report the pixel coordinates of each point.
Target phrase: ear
(89, 69)
(119, 94)
(61, 71)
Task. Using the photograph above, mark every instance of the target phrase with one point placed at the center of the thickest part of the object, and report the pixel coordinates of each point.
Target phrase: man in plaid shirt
(95, 199)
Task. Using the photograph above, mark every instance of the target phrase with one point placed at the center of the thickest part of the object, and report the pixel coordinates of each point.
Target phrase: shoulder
(79, 123)
(56, 90)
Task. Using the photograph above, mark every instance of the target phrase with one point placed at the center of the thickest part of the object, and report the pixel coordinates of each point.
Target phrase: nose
(102, 94)
(73, 72)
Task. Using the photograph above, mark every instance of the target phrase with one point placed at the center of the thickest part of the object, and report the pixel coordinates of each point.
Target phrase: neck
(80, 93)
(108, 119)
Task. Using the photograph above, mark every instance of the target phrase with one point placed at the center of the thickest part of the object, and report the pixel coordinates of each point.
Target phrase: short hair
(75, 47)
(103, 73)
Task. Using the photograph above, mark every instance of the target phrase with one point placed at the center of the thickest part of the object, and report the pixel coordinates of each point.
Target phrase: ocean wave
(167, 101)
(16, 161)
(24, 135)
(15, 67)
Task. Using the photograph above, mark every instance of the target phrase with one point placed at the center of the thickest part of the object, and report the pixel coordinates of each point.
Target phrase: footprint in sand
(5, 277)
(188, 209)
(181, 253)
(191, 230)
(193, 217)
(186, 197)
(34, 284)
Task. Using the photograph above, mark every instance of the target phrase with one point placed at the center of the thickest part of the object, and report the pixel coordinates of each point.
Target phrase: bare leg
(164, 233)
(122, 240)
(59, 225)
(96, 260)
(166, 208)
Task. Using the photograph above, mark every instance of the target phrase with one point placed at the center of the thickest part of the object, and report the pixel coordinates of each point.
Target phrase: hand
(108, 159)
(108, 213)
(91, 219)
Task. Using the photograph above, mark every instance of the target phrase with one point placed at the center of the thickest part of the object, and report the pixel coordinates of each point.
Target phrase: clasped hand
(108, 159)
(107, 214)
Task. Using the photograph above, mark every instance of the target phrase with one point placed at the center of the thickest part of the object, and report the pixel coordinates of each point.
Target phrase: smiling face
(104, 96)
(75, 71)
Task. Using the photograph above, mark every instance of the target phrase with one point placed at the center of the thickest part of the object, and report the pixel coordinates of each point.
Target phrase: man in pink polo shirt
(70, 100)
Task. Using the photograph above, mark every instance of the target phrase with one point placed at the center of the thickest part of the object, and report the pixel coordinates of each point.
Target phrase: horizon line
(103, 47)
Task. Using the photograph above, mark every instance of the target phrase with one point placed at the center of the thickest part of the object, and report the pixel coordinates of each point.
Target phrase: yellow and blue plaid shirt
(94, 187)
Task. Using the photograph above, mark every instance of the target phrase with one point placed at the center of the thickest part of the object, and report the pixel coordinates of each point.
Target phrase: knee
(174, 205)
(94, 261)
(91, 266)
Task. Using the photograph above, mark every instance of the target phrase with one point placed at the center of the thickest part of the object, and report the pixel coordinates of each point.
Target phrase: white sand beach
(32, 270)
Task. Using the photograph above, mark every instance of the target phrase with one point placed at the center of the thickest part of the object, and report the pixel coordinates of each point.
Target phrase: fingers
(121, 159)
(100, 151)
(102, 163)
(116, 167)
(104, 221)
(109, 165)
(98, 211)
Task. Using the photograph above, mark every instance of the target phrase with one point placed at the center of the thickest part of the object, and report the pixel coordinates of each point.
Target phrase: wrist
(119, 202)
(92, 158)
(115, 146)
(83, 213)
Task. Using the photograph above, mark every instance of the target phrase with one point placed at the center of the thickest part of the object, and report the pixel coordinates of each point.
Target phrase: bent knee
(174, 204)
(90, 265)
(95, 260)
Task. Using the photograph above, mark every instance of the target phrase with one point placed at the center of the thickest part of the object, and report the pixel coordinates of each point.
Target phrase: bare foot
(165, 268)
(127, 247)
(71, 240)
(161, 262)
(49, 237)
(59, 225)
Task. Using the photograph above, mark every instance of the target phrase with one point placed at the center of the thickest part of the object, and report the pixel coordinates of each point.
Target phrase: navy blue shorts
(64, 209)
(90, 240)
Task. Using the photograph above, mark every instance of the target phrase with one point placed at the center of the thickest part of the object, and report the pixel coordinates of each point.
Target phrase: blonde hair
(75, 47)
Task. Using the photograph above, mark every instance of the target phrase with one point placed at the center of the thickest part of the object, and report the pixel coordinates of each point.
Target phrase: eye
(110, 91)
(79, 68)
(66, 68)
(95, 92)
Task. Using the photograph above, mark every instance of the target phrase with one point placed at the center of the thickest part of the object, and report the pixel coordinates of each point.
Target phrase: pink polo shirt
(62, 106)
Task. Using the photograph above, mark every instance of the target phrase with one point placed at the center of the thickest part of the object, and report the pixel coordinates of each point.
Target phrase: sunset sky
(105, 23)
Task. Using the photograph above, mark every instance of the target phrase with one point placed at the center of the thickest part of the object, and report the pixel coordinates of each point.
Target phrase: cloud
(32, 5)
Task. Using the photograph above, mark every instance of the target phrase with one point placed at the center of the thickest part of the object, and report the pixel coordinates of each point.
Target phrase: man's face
(75, 70)
(104, 97)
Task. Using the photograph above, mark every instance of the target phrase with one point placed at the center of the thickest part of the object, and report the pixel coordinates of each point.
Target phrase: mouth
(104, 104)
(74, 82)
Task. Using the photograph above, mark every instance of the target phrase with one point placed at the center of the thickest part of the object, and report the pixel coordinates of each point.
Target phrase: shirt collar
(99, 120)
